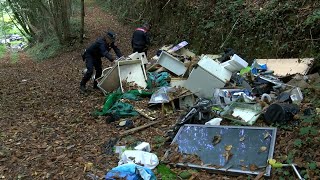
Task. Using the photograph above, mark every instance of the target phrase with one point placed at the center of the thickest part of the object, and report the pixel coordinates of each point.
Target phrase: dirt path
(46, 130)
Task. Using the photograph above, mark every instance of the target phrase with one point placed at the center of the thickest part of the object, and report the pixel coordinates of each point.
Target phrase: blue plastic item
(130, 172)
(256, 67)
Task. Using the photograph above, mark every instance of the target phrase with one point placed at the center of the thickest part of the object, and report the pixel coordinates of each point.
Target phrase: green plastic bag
(113, 105)
(122, 109)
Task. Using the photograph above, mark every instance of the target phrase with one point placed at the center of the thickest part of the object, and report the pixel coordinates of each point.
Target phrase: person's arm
(147, 38)
(116, 50)
(108, 56)
(104, 51)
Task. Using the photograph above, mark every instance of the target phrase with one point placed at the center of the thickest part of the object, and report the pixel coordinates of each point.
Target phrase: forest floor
(46, 127)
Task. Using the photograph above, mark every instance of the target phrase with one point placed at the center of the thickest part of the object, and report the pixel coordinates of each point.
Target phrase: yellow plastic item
(274, 163)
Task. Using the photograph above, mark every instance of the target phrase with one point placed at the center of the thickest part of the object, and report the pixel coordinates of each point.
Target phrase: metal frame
(270, 155)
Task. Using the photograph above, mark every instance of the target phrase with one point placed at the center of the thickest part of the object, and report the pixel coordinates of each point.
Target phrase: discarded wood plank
(139, 128)
(145, 115)
(183, 92)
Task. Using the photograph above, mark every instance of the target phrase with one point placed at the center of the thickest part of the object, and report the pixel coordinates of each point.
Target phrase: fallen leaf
(87, 167)
(263, 149)
(266, 135)
(228, 147)
(244, 167)
(216, 139)
(228, 155)
(242, 139)
(253, 167)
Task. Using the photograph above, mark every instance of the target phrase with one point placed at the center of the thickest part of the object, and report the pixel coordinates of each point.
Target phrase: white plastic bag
(149, 160)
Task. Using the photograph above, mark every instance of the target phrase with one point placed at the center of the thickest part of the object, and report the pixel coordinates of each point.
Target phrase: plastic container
(144, 146)
(296, 95)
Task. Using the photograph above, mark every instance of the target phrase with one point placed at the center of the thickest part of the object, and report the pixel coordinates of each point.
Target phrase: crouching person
(92, 57)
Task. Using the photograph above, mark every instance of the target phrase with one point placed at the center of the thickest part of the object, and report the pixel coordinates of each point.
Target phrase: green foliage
(75, 25)
(166, 173)
(312, 166)
(159, 139)
(298, 143)
(2, 50)
(14, 57)
(308, 119)
(304, 131)
(46, 49)
(308, 131)
(286, 173)
(266, 29)
(313, 18)
(290, 157)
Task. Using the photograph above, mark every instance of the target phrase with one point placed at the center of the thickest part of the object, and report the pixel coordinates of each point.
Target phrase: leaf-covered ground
(47, 130)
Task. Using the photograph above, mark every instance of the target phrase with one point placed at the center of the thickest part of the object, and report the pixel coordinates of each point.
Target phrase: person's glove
(119, 58)
(83, 55)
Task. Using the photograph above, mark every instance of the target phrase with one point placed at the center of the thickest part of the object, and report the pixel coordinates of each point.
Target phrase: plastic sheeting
(112, 104)
(161, 96)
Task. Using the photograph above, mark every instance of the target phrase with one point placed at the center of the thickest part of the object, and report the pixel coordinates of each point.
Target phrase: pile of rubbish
(210, 90)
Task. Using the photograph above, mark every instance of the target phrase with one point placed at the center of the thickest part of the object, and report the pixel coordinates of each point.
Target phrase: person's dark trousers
(140, 50)
(90, 64)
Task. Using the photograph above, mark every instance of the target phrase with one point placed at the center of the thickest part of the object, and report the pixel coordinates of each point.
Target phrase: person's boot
(95, 85)
(83, 89)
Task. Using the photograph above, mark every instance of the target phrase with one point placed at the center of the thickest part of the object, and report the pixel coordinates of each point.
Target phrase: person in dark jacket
(141, 39)
(92, 57)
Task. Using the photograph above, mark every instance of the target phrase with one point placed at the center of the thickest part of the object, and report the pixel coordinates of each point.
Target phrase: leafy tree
(42, 18)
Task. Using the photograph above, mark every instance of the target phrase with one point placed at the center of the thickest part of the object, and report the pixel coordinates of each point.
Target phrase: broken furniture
(248, 148)
(132, 71)
(129, 71)
(235, 64)
(110, 81)
(284, 67)
(171, 63)
(139, 56)
(178, 82)
(207, 76)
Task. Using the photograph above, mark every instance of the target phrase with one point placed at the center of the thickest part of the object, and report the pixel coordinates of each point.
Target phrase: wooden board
(285, 67)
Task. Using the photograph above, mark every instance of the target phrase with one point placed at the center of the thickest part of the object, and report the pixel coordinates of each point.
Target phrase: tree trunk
(82, 22)
(19, 19)
(65, 20)
(44, 18)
